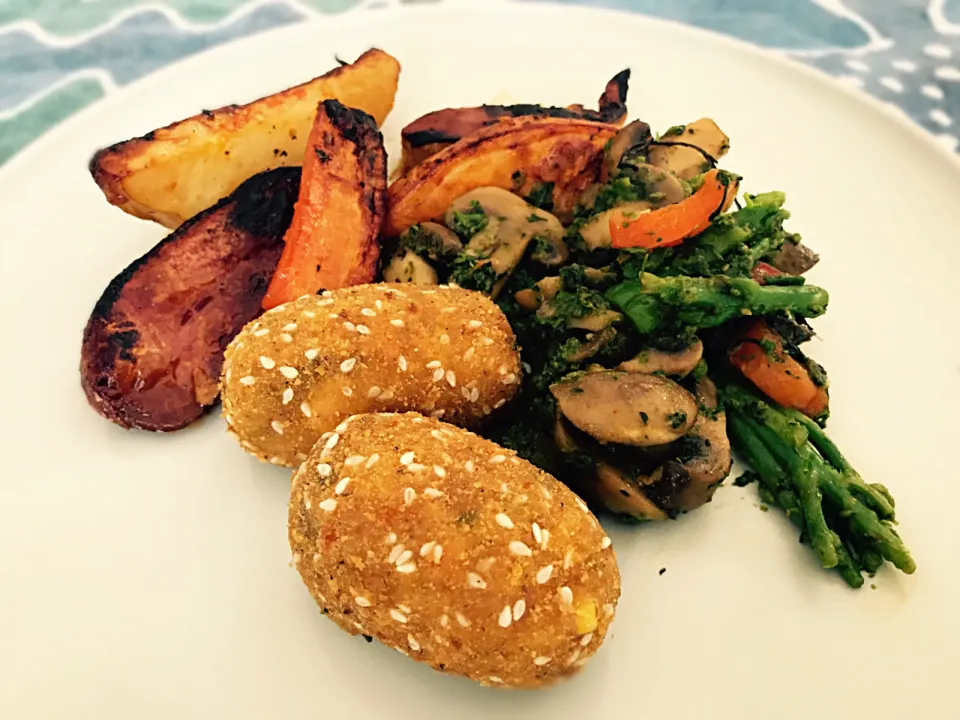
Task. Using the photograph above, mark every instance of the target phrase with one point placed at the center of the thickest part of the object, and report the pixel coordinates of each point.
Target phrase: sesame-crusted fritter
(303, 367)
(451, 549)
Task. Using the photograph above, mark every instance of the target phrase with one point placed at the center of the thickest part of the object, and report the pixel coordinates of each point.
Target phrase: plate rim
(360, 14)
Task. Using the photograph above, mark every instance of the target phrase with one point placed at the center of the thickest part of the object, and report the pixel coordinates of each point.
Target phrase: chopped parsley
(472, 273)
(535, 218)
(468, 223)
(677, 419)
(541, 196)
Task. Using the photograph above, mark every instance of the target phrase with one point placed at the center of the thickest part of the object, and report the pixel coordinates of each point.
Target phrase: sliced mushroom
(431, 240)
(512, 224)
(595, 321)
(408, 267)
(594, 344)
(631, 140)
(677, 364)
(596, 231)
(562, 437)
(627, 408)
(670, 152)
(794, 258)
(620, 495)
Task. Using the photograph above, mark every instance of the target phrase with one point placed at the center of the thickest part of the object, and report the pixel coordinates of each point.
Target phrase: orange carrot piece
(333, 239)
(672, 224)
(762, 360)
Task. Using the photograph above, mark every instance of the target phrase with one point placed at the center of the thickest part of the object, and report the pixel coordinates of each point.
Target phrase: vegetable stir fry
(658, 325)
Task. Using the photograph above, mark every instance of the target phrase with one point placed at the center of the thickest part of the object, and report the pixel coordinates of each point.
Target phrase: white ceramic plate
(146, 576)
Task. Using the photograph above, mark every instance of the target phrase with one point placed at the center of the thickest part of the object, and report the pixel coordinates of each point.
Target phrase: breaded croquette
(451, 549)
(303, 367)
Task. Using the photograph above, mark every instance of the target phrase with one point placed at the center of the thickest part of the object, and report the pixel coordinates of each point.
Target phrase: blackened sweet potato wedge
(333, 240)
(431, 133)
(153, 347)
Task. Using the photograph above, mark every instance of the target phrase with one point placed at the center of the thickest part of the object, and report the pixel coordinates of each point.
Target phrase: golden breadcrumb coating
(452, 550)
(303, 367)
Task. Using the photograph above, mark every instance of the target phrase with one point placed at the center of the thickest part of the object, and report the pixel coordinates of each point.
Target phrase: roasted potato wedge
(153, 347)
(171, 174)
(333, 240)
(431, 133)
(515, 154)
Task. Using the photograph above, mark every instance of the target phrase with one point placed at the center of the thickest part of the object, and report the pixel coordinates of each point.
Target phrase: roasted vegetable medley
(660, 322)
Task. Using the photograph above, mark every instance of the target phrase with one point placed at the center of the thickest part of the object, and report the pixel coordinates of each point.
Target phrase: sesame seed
(287, 395)
(333, 316)
(267, 363)
(398, 616)
(505, 617)
(368, 312)
(378, 304)
(363, 329)
(605, 543)
(444, 620)
(415, 467)
(607, 609)
(499, 403)
(261, 332)
(496, 459)
(494, 679)
(474, 395)
(348, 365)
(290, 373)
(397, 322)
(537, 533)
(437, 435)
(324, 470)
(519, 608)
(247, 380)
(402, 363)
(439, 471)
(437, 414)
(342, 427)
(404, 557)
(541, 660)
(476, 582)
(341, 486)
(312, 353)
(566, 595)
(332, 442)
(486, 341)
(373, 392)
(362, 601)
(461, 619)
(469, 466)
(546, 538)
(546, 493)
(409, 495)
(354, 460)
(585, 640)
(427, 547)
(469, 353)
(465, 391)
(328, 505)
(437, 553)
(407, 457)
(519, 548)
(414, 645)
(305, 409)
(433, 492)
(451, 378)
(581, 504)
(509, 379)
(372, 460)
(386, 394)
(504, 520)
(395, 552)
(475, 323)
(438, 374)
(444, 339)
(391, 538)
(407, 568)
(433, 364)
(544, 574)
(574, 657)
(348, 325)
(348, 391)
(404, 608)
(277, 427)
(286, 337)
(448, 310)
(568, 559)
(310, 313)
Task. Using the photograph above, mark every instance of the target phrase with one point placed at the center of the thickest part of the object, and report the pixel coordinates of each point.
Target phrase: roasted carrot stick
(762, 360)
(672, 224)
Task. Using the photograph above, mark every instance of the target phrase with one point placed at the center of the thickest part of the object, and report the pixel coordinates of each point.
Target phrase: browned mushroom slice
(596, 321)
(671, 152)
(408, 267)
(632, 139)
(619, 495)
(676, 364)
(627, 408)
(594, 344)
(794, 258)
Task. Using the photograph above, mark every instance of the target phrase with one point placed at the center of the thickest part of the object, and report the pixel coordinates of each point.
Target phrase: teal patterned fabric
(58, 56)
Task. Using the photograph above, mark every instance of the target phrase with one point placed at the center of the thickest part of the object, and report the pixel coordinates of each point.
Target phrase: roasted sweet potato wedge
(515, 154)
(153, 347)
(333, 240)
(431, 133)
(173, 173)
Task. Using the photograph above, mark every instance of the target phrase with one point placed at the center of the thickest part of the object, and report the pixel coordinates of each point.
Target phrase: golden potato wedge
(515, 154)
(171, 174)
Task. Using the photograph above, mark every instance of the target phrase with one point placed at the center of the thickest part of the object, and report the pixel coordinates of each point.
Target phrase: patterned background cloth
(58, 56)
